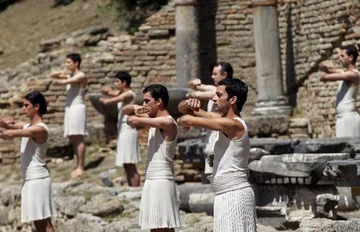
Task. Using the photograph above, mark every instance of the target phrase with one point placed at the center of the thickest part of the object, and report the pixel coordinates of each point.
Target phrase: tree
(132, 13)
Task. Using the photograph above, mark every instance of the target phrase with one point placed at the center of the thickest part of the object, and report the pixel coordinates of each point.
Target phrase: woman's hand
(58, 82)
(6, 121)
(104, 100)
(6, 135)
(106, 90)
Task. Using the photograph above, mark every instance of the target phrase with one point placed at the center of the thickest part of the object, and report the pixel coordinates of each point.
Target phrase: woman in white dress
(36, 194)
(75, 110)
(127, 154)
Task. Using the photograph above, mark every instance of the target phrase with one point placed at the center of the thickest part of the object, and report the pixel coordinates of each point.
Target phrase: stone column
(187, 42)
(268, 65)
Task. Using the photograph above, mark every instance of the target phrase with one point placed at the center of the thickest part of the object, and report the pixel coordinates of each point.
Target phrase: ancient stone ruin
(303, 179)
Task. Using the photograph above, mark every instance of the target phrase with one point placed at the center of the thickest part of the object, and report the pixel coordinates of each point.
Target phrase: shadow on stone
(94, 163)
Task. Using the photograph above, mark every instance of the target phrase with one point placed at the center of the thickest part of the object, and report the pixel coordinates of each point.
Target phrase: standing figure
(75, 111)
(220, 71)
(234, 206)
(159, 207)
(128, 153)
(37, 203)
(347, 116)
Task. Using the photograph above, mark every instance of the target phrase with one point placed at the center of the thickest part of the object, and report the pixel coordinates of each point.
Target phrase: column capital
(257, 3)
(186, 3)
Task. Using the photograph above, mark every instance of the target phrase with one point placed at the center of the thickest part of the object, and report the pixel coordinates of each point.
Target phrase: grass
(37, 20)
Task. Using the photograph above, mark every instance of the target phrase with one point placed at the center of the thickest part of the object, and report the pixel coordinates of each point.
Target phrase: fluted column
(271, 99)
(187, 42)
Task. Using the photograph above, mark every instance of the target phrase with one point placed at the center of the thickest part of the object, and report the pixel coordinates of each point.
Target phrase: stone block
(275, 146)
(69, 205)
(264, 126)
(330, 145)
(4, 211)
(326, 205)
(257, 153)
(295, 165)
(158, 33)
(103, 205)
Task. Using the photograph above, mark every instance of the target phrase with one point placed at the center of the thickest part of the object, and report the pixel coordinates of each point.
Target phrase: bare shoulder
(167, 123)
(352, 75)
(37, 128)
(355, 72)
(239, 124)
(80, 75)
(128, 95)
(167, 120)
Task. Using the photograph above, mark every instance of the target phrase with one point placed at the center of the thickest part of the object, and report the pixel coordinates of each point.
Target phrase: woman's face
(120, 85)
(29, 109)
(70, 65)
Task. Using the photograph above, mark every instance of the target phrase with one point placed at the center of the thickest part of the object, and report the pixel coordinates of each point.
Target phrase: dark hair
(158, 91)
(351, 51)
(225, 67)
(75, 57)
(124, 76)
(235, 87)
(37, 98)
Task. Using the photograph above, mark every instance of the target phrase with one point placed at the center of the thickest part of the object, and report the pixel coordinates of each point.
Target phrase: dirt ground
(98, 159)
(24, 24)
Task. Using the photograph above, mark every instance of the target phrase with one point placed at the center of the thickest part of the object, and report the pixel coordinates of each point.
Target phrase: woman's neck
(36, 119)
(125, 89)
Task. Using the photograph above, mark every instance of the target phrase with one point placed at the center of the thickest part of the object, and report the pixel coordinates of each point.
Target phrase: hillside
(24, 24)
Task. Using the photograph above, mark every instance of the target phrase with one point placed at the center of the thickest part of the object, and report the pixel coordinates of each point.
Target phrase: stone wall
(310, 31)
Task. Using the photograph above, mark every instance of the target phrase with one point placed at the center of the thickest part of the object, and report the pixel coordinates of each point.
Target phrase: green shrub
(62, 2)
(5, 3)
(132, 13)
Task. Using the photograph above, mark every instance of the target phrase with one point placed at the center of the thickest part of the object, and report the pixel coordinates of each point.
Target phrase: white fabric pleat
(127, 151)
(235, 211)
(159, 207)
(348, 125)
(36, 200)
(75, 120)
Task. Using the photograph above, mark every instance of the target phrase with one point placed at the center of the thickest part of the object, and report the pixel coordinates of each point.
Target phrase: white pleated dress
(347, 117)
(127, 151)
(36, 192)
(159, 207)
(75, 111)
(234, 205)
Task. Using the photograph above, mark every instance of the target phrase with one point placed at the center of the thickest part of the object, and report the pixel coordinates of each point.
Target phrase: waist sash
(160, 170)
(229, 182)
(343, 114)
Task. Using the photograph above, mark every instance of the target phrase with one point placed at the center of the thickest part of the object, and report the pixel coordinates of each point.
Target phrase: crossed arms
(196, 117)
(16, 129)
(138, 116)
(63, 80)
(202, 92)
(344, 76)
(127, 96)
(333, 74)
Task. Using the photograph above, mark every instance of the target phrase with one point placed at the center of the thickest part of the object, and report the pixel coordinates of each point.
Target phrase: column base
(272, 107)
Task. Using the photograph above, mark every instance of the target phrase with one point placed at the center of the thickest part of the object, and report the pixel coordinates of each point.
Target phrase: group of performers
(228, 146)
